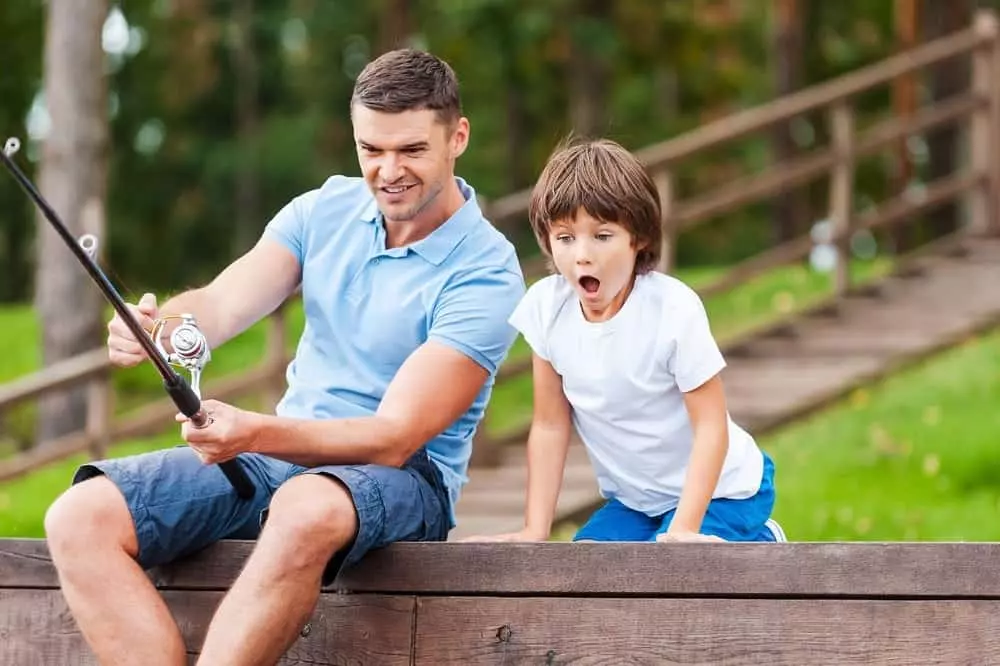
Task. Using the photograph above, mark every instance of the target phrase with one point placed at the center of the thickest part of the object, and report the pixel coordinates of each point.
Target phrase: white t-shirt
(625, 378)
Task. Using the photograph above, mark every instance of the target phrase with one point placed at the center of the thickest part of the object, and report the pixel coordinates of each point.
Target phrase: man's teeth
(397, 190)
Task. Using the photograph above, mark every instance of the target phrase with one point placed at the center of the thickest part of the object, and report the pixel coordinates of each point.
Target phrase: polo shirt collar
(436, 247)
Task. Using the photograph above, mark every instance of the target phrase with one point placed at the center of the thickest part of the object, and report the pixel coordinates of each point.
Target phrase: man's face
(407, 158)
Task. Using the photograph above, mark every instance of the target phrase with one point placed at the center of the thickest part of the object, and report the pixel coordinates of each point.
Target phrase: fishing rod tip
(11, 146)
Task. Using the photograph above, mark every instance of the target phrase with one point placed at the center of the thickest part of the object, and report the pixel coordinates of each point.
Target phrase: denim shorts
(731, 519)
(180, 505)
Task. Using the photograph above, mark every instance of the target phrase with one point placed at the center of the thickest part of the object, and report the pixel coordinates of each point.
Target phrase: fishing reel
(190, 347)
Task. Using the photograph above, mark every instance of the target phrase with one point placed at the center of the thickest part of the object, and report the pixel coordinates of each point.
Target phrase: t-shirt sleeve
(471, 315)
(696, 356)
(528, 318)
(289, 224)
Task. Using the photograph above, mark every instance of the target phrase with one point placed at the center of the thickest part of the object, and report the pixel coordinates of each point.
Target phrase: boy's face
(407, 158)
(598, 259)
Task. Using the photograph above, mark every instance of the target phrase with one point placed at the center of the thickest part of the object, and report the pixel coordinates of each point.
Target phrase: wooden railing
(977, 186)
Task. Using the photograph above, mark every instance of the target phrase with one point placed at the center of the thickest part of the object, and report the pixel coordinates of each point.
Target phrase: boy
(624, 354)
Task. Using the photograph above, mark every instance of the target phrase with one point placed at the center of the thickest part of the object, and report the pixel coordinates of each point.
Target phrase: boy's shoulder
(549, 293)
(668, 292)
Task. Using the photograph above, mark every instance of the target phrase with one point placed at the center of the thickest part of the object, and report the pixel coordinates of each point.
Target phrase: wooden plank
(705, 631)
(59, 375)
(38, 630)
(860, 569)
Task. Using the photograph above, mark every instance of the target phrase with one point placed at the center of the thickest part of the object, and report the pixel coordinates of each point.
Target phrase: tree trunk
(589, 70)
(247, 123)
(73, 177)
(904, 102)
(395, 24)
(791, 208)
(948, 78)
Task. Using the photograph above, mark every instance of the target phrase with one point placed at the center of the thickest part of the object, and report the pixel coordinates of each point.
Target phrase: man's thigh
(180, 505)
(392, 504)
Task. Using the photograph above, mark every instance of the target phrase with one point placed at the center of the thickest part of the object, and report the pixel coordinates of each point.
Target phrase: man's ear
(459, 137)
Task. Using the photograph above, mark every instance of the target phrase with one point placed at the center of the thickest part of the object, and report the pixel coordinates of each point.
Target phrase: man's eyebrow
(416, 145)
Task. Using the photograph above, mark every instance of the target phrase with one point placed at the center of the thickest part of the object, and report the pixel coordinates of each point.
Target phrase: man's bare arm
(432, 389)
(244, 292)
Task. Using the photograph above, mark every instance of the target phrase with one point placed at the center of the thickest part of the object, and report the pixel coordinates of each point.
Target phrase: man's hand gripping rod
(190, 347)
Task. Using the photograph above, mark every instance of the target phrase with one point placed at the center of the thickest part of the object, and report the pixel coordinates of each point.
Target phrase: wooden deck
(557, 603)
(778, 374)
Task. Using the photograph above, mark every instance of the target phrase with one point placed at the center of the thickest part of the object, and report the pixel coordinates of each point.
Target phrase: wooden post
(275, 357)
(668, 249)
(981, 198)
(100, 401)
(988, 24)
(841, 189)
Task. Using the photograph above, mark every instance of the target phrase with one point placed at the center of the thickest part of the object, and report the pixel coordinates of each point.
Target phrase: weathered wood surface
(560, 603)
(777, 374)
(842, 570)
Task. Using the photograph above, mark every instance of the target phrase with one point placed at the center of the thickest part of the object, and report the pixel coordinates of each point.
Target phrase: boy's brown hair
(409, 80)
(610, 184)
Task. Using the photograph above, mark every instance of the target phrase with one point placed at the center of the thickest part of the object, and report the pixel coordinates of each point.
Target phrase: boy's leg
(124, 515)
(739, 520)
(320, 521)
(616, 522)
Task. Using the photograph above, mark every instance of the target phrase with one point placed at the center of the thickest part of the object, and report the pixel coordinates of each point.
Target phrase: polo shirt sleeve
(289, 224)
(696, 356)
(471, 314)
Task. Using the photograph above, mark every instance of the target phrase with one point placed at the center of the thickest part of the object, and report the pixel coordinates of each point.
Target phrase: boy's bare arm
(548, 442)
(706, 407)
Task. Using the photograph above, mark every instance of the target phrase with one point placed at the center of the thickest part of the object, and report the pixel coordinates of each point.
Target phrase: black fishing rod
(190, 347)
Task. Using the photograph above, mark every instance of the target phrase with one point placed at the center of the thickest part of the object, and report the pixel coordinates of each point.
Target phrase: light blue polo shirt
(368, 308)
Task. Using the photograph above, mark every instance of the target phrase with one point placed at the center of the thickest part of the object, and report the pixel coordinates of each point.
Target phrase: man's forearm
(711, 443)
(349, 441)
(208, 311)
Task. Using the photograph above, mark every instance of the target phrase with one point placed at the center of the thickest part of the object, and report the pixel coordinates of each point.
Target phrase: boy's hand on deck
(522, 536)
(681, 535)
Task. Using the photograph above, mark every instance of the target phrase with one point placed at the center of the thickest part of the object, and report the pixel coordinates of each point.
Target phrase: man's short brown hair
(409, 80)
(610, 184)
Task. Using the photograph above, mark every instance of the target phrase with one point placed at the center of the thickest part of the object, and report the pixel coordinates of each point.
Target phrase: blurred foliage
(671, 66)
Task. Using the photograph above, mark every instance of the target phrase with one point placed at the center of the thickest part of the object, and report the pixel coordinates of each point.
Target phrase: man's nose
(389, 168)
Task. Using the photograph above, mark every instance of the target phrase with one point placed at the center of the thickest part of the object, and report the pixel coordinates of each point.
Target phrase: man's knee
(91, 514)
(313, 514)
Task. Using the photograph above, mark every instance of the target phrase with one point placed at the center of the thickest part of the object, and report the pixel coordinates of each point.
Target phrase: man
(407, 290)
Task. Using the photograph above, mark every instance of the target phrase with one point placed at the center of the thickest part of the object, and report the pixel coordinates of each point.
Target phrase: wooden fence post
(668, 250)
(100, 410)
(841, 189)
(981, 199)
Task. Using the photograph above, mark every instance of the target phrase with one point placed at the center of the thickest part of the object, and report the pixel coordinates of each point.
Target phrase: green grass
(916, 457)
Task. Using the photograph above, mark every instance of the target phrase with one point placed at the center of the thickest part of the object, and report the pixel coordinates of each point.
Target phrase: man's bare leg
(310, 518)
(121, 615)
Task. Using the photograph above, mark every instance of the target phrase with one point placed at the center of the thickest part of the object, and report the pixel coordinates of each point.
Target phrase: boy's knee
(313, 511)
(90, 515)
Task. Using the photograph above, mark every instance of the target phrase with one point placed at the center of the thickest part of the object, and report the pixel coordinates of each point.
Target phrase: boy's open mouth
(590, 284)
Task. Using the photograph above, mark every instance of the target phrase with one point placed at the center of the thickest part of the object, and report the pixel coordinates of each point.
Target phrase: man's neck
(447, 204)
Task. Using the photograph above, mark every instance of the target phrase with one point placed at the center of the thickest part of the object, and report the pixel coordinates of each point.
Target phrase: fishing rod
(191, 350)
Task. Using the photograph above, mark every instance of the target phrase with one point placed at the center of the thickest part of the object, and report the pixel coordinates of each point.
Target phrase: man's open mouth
(590, 284)
(396, 189)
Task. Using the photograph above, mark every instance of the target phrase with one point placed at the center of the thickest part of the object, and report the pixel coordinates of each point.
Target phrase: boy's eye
(603, 236)
(564, 238)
